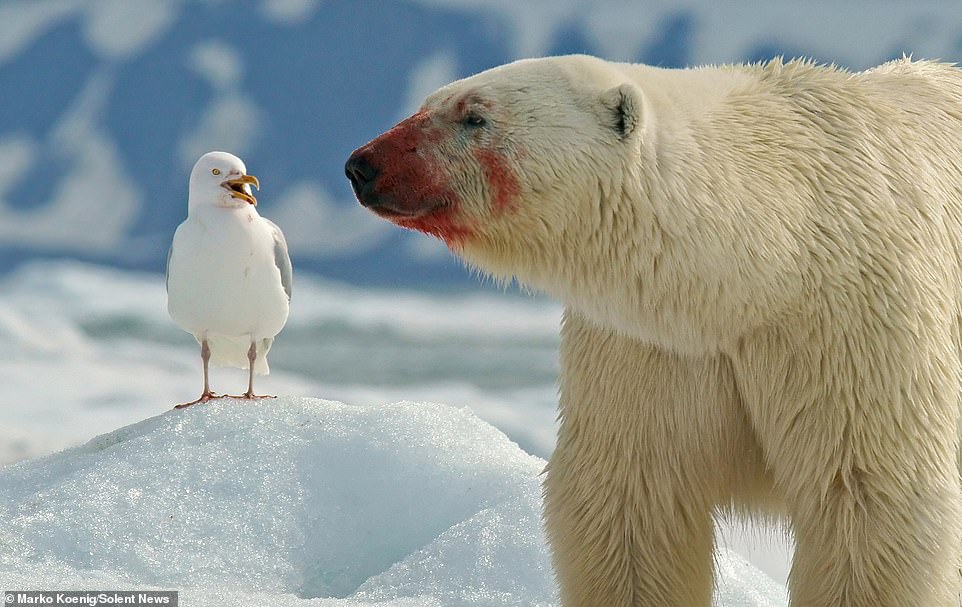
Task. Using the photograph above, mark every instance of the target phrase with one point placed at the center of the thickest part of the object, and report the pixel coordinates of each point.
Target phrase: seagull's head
(220, 179)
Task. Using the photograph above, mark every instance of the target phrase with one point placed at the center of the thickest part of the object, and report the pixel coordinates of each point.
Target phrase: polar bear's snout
(399, 177)
(362, 175)
(397, 174)
(395, 185)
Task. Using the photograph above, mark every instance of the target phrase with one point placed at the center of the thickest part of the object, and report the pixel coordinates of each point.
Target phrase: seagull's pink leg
(206, 395)
(251, 356)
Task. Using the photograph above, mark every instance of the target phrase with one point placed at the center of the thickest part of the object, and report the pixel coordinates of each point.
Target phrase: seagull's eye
(215, 171)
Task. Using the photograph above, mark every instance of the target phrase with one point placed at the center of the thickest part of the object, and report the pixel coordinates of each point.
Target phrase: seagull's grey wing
(282, 258)
(170, 252)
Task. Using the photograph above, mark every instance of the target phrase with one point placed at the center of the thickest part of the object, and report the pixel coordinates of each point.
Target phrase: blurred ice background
(105, 105)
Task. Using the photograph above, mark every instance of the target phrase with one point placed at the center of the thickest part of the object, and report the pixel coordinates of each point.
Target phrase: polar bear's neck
(667, 275)
(680, 97)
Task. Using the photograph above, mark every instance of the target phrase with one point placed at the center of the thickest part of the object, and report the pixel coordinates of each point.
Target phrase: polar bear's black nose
(361, 173)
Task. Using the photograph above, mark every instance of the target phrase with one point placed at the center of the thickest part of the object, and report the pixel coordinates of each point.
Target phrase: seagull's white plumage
(228, 271)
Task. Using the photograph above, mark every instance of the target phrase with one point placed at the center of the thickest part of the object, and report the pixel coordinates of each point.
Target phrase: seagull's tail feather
(232, 352)
(260, 363)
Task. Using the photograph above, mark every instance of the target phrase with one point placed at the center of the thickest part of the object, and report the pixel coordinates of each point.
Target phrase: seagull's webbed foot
(252, 396)
(206, 396)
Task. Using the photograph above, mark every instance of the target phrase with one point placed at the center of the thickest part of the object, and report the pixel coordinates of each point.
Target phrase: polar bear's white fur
(762, 275)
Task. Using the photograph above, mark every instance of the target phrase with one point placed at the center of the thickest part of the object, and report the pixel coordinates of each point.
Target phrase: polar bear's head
(505, 164)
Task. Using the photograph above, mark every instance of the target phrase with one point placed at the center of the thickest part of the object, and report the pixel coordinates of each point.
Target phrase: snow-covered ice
(297, 501)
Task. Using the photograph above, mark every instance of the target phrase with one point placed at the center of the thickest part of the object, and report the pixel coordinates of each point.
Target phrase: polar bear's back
(896, 130)
(801, 180)
(897, 93)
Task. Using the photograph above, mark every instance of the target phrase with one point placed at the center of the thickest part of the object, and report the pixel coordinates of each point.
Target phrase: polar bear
(761, 268)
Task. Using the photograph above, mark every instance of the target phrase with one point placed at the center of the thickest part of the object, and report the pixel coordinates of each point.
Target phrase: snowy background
(105, 105)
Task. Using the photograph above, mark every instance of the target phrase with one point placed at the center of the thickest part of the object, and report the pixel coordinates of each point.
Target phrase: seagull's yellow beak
(237, 189)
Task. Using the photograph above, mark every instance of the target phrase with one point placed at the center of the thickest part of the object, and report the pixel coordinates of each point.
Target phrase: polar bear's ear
(622, 106)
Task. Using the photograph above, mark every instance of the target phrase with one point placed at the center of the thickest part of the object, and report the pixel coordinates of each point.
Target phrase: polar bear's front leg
(650, 443)
(862, 442)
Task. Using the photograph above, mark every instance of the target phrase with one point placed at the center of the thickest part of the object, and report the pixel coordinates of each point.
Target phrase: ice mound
(297, 501)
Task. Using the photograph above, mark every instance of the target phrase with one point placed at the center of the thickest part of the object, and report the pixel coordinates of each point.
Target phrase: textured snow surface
(297, 501)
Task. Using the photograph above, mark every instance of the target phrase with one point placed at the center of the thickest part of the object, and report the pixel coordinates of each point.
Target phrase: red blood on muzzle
(407, 180)
(403, 183)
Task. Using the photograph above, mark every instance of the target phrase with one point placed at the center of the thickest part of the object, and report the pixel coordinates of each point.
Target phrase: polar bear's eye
(473, 120)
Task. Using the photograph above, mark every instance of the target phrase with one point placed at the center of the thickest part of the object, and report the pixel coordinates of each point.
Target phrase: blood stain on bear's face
(410, 188)
(500, 178)
(419, 163)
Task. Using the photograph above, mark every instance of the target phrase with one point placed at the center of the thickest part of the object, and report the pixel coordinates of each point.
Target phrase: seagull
(229, 274)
